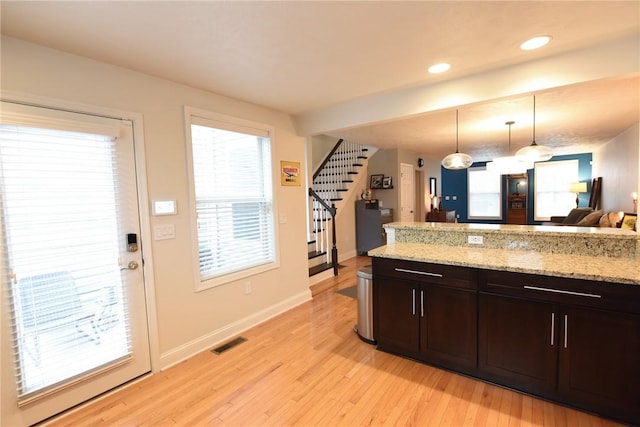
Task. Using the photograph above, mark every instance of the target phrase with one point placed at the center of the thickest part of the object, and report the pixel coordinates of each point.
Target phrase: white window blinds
(485, 194)
(58, 212)
(552, 194)
(233, 199)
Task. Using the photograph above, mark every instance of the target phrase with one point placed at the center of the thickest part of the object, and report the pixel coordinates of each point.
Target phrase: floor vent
(227, 346)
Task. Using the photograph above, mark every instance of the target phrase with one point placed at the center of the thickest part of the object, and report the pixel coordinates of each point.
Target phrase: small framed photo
(629, 221)
(376, 181)
(386, 182)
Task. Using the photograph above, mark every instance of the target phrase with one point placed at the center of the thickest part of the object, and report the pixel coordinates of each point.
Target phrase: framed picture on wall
(376, 181)
(387, 182)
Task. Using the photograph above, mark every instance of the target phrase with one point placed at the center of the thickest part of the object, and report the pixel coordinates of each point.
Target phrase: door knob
(131, 266)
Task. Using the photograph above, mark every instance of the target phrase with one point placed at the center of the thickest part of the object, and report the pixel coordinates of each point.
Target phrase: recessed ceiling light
(439, 68)
(535, 42)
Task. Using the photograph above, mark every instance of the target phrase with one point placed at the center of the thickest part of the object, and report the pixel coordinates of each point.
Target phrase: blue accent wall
(454, 184)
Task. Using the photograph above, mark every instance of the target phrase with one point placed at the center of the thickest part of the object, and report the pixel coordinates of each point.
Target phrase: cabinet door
(518, 343)
(395, 322)
(448, 327)
(600, 361)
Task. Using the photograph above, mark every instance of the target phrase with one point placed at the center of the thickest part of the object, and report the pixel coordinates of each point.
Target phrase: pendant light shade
(457, 160)
(535, 152)
(509, 165)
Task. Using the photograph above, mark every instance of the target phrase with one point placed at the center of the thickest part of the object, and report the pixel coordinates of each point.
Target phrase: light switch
(164, 232)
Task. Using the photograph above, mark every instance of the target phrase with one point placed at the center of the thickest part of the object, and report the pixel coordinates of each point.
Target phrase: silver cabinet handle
(131, 266)
(413, 306)
(560, 291)
(565, 329)
(421, 303)
(553, 327)
(424, 273)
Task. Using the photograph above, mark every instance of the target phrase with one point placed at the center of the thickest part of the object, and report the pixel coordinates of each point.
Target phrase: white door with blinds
(74, 320)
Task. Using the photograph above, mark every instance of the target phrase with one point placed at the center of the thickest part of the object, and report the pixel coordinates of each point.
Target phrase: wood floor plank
(307, 367)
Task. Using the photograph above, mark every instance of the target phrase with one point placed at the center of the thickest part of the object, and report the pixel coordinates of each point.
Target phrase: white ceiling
(305, 58)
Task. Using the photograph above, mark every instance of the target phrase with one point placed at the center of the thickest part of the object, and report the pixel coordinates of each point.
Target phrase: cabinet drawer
(610, 296)
(447, 275)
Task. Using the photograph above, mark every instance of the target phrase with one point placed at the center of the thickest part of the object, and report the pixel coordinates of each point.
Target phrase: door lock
(131, 266)
(132, 242)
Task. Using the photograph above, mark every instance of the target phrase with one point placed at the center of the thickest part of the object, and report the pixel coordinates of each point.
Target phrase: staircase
(330, 182)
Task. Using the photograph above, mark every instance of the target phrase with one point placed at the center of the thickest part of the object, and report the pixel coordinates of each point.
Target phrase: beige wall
(386, 162)
(617, 164)
(187, 321)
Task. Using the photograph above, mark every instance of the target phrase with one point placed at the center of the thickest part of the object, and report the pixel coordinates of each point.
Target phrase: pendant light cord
(509, 123)
(457, 148)
(534, 120)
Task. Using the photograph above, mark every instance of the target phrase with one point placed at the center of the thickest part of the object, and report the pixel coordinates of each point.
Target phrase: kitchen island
(550, 312)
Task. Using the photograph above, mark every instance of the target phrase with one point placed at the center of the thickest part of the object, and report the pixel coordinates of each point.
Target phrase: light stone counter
(609, 255)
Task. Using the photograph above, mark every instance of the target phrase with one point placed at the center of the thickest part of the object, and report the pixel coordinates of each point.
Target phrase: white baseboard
(347, 255)
(178, 354)
(317, 278)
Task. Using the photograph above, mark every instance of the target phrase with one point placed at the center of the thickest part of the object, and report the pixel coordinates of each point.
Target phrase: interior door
(74, 321)
(407, 193)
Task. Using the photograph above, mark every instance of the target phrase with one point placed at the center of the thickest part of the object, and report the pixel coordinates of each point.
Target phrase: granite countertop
(607, 269)
(525, 230)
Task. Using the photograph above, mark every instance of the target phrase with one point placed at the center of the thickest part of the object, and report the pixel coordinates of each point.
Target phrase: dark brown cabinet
(395, 323)
(574, 341)
(599, 365)
(518, 343)
(426, 311)
(448, 327)
(441, 216)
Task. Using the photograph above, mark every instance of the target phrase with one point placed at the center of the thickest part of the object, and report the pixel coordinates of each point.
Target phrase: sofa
(586, 217)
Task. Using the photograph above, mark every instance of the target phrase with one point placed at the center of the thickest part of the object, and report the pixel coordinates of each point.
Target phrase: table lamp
(578, 187)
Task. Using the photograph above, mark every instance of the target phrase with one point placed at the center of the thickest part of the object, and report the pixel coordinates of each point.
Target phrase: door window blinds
(58, 213)
(232, 182)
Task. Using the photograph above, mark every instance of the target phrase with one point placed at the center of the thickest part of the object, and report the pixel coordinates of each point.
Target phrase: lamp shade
(457, 161)
(535, 153)
(578, 187)
(509, 165)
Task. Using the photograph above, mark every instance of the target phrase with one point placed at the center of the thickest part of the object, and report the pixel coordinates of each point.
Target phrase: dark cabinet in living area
(369, 221)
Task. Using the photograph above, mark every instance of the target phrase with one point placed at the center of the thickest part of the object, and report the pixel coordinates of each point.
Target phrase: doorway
(74, 311)
(407, 193)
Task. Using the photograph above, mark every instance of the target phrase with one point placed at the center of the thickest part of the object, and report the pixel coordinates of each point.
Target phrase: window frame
(499, 195)
(234, 124)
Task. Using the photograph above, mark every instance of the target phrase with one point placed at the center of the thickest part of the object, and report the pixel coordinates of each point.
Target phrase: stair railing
(320, 219)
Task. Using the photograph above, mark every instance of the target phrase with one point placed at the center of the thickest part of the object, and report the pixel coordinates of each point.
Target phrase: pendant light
(535, 152)
(509, 165)
(457, 160)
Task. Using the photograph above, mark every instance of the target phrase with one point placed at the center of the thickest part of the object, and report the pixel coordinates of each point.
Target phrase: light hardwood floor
(307, 367)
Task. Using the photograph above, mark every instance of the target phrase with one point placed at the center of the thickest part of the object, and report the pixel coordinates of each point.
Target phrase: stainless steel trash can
(364, 293)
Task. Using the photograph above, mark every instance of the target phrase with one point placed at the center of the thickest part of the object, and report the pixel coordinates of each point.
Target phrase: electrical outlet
(247, 288)
(475, 240)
